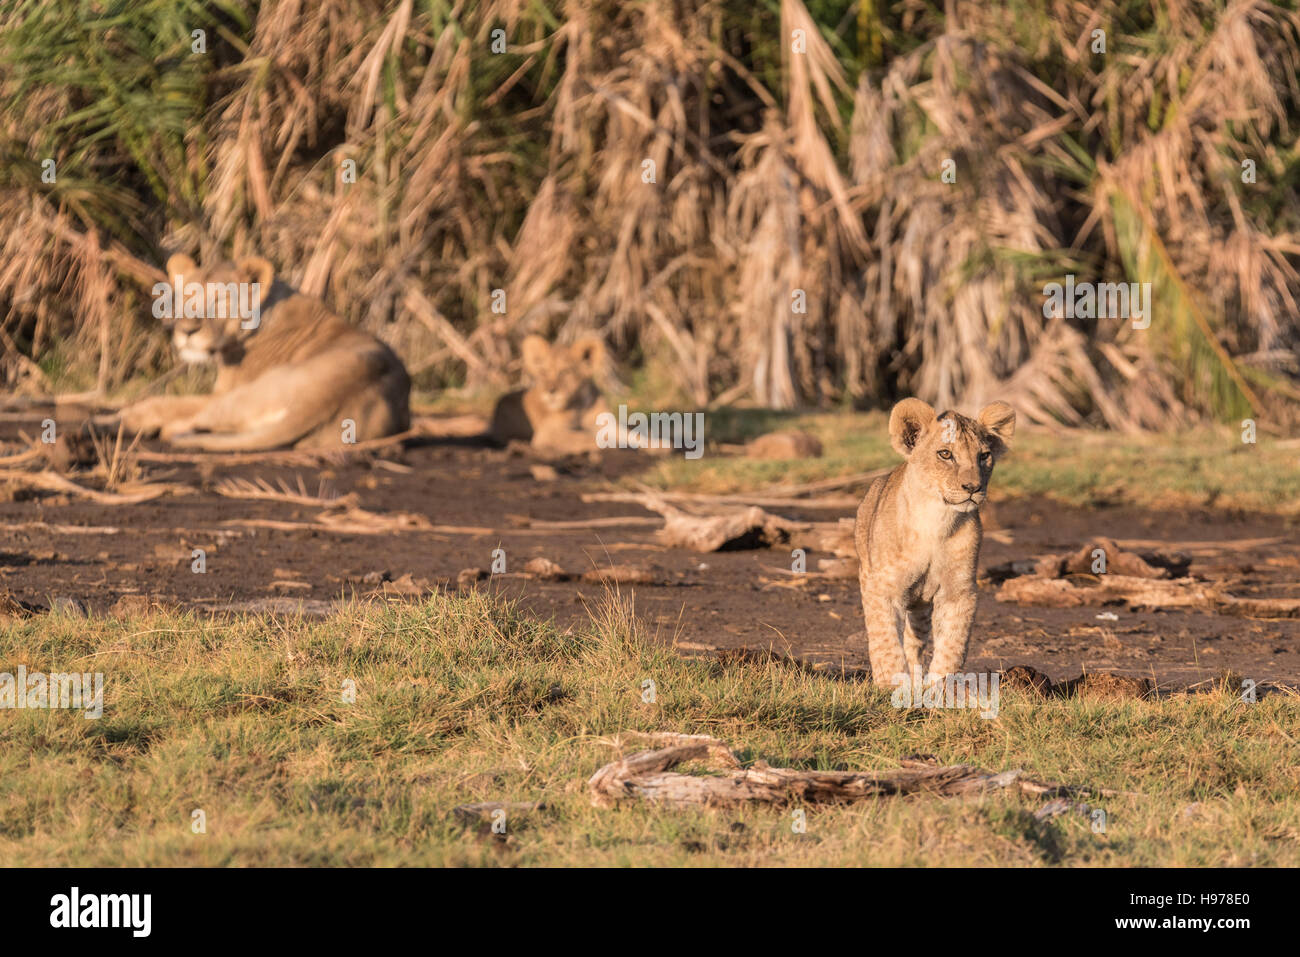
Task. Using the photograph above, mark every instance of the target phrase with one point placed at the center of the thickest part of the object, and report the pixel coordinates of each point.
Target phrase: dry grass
(774, 171)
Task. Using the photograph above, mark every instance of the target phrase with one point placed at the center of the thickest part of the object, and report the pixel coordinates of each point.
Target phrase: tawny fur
(557, 413)
(291, 381)
(918, 537)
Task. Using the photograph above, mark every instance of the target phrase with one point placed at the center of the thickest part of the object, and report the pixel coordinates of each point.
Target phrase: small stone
(545, 568)
(468, 576)
(618, 575)
(406, 586)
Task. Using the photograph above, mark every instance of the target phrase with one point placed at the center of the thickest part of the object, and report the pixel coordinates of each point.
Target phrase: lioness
(918, 537)
(558, 412)
(297, 376)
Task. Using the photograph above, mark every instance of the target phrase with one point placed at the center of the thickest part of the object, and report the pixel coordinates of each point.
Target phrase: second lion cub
(559, 412)
(918, 537)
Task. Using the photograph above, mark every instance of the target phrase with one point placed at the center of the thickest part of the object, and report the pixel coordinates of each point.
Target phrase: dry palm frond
(50, 481)
(262, 490)
(679, 178)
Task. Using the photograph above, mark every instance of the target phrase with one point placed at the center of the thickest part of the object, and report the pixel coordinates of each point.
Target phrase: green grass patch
(460, 700)
(1210, 467)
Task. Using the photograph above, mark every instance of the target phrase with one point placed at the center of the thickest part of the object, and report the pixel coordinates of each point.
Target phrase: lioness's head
(560, 375)
(950, 454)
(213, 311)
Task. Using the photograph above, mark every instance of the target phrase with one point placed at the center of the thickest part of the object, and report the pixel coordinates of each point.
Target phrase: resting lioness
(918, 537)
(295, 375)
(558, 412)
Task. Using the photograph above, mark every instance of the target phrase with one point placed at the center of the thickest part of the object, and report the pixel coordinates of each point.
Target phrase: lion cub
(297, 375)
(558, 412)
(918, 537)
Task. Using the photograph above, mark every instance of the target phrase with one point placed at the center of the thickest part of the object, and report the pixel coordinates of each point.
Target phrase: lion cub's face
(562, 376)
(201, 338)
(949, 454)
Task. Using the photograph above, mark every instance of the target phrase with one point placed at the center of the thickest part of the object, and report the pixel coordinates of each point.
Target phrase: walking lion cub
(918, 537)
(294, 374)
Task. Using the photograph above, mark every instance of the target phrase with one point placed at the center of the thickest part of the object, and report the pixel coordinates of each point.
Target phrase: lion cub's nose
(971, 486)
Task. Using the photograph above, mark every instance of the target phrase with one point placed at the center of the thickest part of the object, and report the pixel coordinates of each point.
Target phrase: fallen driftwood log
(648, 775)
(1103, 573)
(748, 528)
(1136, 593)
(1088, 560)
(732, 529)
(1142, 594)
(1119, 561)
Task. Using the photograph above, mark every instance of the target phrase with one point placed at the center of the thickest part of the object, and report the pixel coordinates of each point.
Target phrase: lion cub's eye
(945, 454)
(986, 457)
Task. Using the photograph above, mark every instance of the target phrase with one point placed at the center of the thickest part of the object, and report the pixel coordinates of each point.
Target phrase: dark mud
(55, 546)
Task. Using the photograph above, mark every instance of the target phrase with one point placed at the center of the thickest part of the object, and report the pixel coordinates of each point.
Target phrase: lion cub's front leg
(883, 620)
(954, 601)
(954, 614)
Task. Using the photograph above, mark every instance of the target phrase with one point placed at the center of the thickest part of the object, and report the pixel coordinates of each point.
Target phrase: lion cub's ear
(1000, 419)
(909, 419)
(535, 351)
(589, 353)
(181, 265)
(259, 270)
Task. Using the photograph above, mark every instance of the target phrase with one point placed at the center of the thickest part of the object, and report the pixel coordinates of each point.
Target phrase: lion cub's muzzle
(969, 503)
(192, 347)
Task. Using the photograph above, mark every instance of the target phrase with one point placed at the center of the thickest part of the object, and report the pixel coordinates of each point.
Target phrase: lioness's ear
(589, 353)
(258, 270)
(181, 265)
(535, 351)
(906, 423)
(1000, 419)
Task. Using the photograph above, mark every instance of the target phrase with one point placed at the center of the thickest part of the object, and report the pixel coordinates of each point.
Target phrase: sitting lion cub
(296, 375)
(918, 537)
(558, 412)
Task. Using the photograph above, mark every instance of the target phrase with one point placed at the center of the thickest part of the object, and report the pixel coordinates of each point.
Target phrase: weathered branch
(648, 775)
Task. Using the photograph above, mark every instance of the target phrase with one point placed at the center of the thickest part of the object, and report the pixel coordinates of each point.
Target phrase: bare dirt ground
(434, 510)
